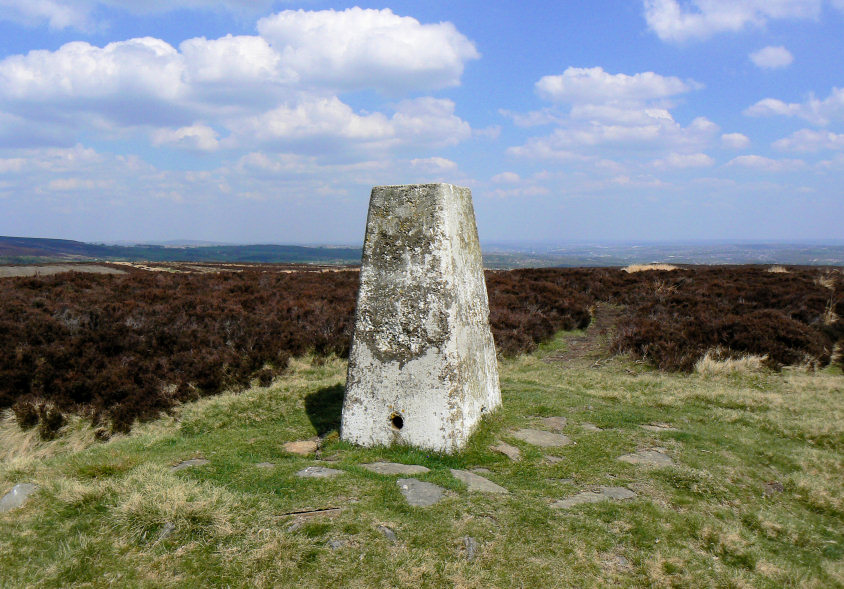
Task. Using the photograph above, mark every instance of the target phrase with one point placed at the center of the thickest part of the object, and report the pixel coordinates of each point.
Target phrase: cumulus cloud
(772, 57)
(610, 111)
(735, 140)
(811, 140)
(595, 86)
(506, 178)
(814, 110)
(363, 48)
(78, 14)
(764, 164)
(682, 161)
(244, 91)
(700, 19)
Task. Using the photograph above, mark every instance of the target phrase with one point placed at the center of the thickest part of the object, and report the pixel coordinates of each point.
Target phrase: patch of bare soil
(47, 270)
(594, 343)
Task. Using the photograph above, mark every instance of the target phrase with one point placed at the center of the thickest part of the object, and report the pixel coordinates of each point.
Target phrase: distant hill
(25, 250)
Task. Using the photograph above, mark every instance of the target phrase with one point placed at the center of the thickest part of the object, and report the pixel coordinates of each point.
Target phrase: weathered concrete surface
(422, 366)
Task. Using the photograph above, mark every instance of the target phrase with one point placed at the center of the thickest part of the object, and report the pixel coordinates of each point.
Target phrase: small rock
(471, 547)
(189, 464)
(651, 457)
(602, 494)
(169, 528)
(772, 488)
(301, 447)
(481, 470)
(17, 496)
(318, 472)
(389, 534)
(564, 481)
(541, 438)
(659, 427)
(590, 427)
(265, 465)
(553, 459)
(395, 468)
(476, 482)
(419, 493)
(509, 451)
(336, 544)
(557, 424)
(616, 561)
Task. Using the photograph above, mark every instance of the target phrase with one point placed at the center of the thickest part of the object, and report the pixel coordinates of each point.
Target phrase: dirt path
(593, 344)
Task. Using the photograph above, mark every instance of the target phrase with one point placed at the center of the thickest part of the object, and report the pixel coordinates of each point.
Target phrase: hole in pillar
(397, 421)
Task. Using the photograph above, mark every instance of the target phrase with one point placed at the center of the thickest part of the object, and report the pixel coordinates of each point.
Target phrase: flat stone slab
(541, 438)
(419, 493)
(17, 496)
(553, 459)
(590, 427)
(476, 482)
(602, 494)
(648, 458)
(395, 468)
(509, 451)
(556, 424)
(659, 427)
(389, 534)
(318, 472)
(189, 464)
(301, 447)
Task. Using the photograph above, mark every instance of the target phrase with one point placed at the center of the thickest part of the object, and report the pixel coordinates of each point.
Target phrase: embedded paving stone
(419, 493)
(395, 468)
(602, 494)
(554, 423)
(590, 427)
(659, 427)
(265, 465)
(541, 438)
(336, 544)
(553, 459)
(647, 458)
(476, 482)
(318, 472)
(302, 447)
(471, 547)
(189, 464)
(389, 534)
(509, 451)
(17, 496)
(482, 470)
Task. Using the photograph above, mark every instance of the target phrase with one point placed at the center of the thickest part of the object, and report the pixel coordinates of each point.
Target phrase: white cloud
(772, 57)
(240, 92)
(198, 137)
(700, 19)
(595, 86)
(357, 48)
(814, 110)
(682, 161)
(77, 14)
(434, 164)
(506, 178)
(811, 140)
(764, 164)
(735, 141)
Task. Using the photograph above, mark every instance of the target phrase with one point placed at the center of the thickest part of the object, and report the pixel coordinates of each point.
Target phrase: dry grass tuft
(19, 445)
(778, 270)
(719, 361)
(645, 267)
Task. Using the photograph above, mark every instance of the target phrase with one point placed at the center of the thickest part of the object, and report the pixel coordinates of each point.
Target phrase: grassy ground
(705, 522)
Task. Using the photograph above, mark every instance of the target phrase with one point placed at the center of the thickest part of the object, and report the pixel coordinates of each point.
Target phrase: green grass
(705, 522)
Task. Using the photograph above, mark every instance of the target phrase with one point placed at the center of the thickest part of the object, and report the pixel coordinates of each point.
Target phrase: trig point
(422, 367)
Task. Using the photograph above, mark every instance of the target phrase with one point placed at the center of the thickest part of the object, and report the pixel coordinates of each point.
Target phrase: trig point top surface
(422, 367)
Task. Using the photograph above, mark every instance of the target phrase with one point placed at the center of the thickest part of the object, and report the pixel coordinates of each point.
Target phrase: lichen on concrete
(422, 367)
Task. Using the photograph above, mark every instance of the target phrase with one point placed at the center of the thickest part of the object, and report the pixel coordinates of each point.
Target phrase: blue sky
(260, 121)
